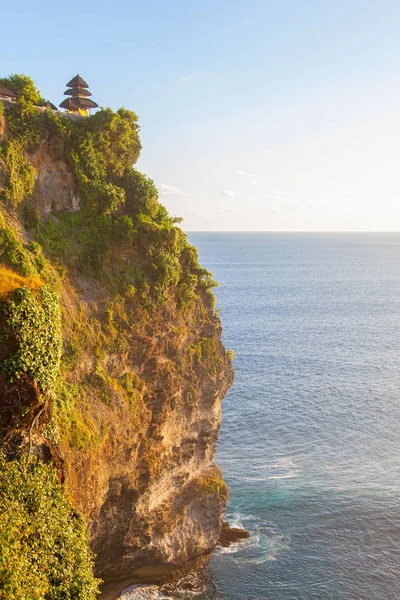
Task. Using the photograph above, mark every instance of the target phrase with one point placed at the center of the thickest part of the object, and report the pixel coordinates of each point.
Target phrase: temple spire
(78, 103)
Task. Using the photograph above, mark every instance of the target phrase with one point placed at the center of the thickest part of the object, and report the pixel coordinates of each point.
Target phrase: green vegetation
(20, 176)
(122, 237)
(120, 209)
(205, 352)
(230, 354)
(35, 321)
(25, 128)
(32, 316)
(212, 483)
(120, 215)
(25, 124)
(43, 543)
(23, 86)
(26, 259)
(71, 421)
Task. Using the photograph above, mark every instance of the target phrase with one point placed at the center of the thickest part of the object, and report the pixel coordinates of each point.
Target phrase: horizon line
(288, 231)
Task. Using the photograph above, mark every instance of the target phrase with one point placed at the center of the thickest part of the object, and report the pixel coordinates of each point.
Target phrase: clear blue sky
(256, 115)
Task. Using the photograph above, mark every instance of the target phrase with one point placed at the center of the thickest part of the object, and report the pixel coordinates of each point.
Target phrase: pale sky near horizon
(257, 115)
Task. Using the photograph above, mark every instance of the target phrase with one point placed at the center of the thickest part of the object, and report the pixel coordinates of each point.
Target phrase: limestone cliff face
(144, 388)
(150, 490)
(55, 186)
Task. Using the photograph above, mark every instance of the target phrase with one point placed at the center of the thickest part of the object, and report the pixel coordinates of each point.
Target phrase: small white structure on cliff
(6, 94)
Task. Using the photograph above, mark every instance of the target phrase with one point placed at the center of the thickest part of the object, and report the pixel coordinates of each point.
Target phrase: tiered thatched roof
(76, 104)
(51, 105)
(79, 93)
(77, 81)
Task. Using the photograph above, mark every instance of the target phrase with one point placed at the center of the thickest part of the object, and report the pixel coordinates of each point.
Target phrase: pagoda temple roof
(78, 103)
(6, 92)
(77, 91)
(77, 81)
(51, 105)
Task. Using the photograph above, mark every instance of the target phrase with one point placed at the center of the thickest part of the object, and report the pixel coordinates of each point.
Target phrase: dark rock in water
(230, 535)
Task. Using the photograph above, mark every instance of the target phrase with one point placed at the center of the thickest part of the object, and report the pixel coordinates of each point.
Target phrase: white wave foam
(232, 549)
(265, 543)
(235, 520)
(289, 475)
(142, 592)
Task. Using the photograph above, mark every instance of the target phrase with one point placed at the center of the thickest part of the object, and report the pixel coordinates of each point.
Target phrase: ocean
(310, 439)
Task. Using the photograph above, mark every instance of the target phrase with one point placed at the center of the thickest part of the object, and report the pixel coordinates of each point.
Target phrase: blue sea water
(310, 440)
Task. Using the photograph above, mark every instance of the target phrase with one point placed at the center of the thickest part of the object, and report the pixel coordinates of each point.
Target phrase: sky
(256, 115)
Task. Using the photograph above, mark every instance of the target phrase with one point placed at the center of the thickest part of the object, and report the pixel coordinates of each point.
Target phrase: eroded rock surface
(55, 186)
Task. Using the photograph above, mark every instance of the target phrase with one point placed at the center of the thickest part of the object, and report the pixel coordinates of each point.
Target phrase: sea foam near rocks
(142, 592)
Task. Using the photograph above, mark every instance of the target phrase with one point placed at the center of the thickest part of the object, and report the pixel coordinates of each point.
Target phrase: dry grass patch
(11, 281)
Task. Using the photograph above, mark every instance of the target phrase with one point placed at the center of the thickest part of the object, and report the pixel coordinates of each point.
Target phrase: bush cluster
(44, 551)
(34, 318)
(25, 129)
(25, 258)
(122, 235)
(212, 483)
(120, 207)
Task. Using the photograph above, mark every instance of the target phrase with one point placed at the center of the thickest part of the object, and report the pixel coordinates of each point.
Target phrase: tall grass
(11, 281)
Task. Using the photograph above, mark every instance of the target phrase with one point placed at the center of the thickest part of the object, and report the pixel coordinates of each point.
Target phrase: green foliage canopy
(43, 543)
(23, 86)
(35, 319)
(25, 129)
(113, 137)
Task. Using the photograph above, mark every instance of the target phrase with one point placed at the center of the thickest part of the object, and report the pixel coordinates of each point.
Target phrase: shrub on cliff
(35, 321)
(20, 177)
(25, 129)
(23, 86)
(43, 543)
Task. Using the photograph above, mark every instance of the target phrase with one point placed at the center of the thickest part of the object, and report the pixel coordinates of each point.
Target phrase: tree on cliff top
(23, 86)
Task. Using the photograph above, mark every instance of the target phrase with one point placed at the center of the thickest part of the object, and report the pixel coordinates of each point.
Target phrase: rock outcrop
(55, 188)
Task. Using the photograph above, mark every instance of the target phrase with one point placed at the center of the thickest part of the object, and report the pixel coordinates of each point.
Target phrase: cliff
(112, 366)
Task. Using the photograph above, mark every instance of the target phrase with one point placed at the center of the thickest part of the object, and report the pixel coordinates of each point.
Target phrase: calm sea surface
(310, 441)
